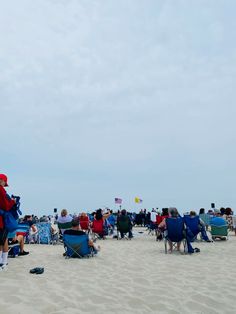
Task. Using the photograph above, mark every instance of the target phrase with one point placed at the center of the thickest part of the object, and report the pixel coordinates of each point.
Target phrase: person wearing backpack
(5, 204)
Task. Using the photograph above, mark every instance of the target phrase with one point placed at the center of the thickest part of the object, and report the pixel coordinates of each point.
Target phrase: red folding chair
(84, 223)
(98, 229)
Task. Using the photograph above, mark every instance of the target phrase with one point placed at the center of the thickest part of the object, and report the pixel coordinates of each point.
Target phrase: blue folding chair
(192, 224)
(206, 219)
(175, 232)
(44, 232)
(194, 227)
(77, 246)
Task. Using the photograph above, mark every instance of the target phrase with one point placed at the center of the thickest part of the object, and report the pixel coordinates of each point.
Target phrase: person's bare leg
(171, 246)
(93, 246)
(5, 246)
(20, 239)
(178, 246)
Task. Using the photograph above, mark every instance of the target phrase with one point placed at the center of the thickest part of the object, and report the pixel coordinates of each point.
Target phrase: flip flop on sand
(37, 270)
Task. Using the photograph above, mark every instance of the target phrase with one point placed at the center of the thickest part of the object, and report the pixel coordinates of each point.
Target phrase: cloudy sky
(104, 98)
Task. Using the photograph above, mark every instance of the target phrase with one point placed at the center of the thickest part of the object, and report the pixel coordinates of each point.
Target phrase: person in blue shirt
(111, 221)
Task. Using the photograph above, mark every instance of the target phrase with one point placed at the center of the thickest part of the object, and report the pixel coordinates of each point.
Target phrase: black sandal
(37, 270)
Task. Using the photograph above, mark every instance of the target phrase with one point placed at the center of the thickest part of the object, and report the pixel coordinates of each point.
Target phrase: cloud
(121, 96)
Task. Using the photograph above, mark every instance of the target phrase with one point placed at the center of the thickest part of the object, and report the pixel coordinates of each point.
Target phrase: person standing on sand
(5, 204)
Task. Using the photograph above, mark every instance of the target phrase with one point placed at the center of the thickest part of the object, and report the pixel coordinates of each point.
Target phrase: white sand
(126, 277)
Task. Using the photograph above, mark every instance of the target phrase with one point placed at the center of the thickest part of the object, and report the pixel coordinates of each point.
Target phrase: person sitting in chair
(201, 227)
(173, 213)
(218, 220)
(76, 230)
(124, 218)
(64, 218)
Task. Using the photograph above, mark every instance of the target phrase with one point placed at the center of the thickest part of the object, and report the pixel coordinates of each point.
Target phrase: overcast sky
(104, 98)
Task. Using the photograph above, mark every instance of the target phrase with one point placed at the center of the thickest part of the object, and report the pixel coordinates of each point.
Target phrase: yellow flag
(137, 200)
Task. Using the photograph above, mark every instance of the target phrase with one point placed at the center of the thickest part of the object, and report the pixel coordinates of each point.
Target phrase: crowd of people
(103, 223)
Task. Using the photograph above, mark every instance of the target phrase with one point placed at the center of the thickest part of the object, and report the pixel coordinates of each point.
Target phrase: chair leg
(165, 241)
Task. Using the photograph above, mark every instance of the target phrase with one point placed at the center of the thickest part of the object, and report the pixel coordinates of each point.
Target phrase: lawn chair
(124, 229)
(63, 226)
(206, 219)
(160, 231)
(85, 223)
(219, 232)
(193, 226)
(98, 231)
(77, 246)
(175, 232)
(44, 232)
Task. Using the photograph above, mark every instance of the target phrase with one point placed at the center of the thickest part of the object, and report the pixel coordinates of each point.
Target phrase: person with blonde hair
(64, 218)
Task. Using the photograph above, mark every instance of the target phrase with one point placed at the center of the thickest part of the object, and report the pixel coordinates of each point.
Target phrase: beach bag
(10, 222)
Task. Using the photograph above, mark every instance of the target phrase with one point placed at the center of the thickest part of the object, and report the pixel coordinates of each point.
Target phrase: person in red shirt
(5, 204)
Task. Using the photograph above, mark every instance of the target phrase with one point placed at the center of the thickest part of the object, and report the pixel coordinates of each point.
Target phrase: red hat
(4, 178)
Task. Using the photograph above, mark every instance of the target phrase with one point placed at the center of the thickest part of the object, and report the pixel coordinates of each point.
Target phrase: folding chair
(62, 227)
(175, 232)
(77, 246)
(85, 224)
(123, 229)
(221, 232)
(206, 219)
(98, 229)
(44, 232)
(192, 224)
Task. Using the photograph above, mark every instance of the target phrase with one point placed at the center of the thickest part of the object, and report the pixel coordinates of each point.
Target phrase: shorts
(3, 236)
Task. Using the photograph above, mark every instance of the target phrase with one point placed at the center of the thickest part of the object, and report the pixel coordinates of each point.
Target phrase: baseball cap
(4, 178)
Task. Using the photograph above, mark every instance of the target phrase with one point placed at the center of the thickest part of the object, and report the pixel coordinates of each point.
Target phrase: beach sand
(126, 277)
